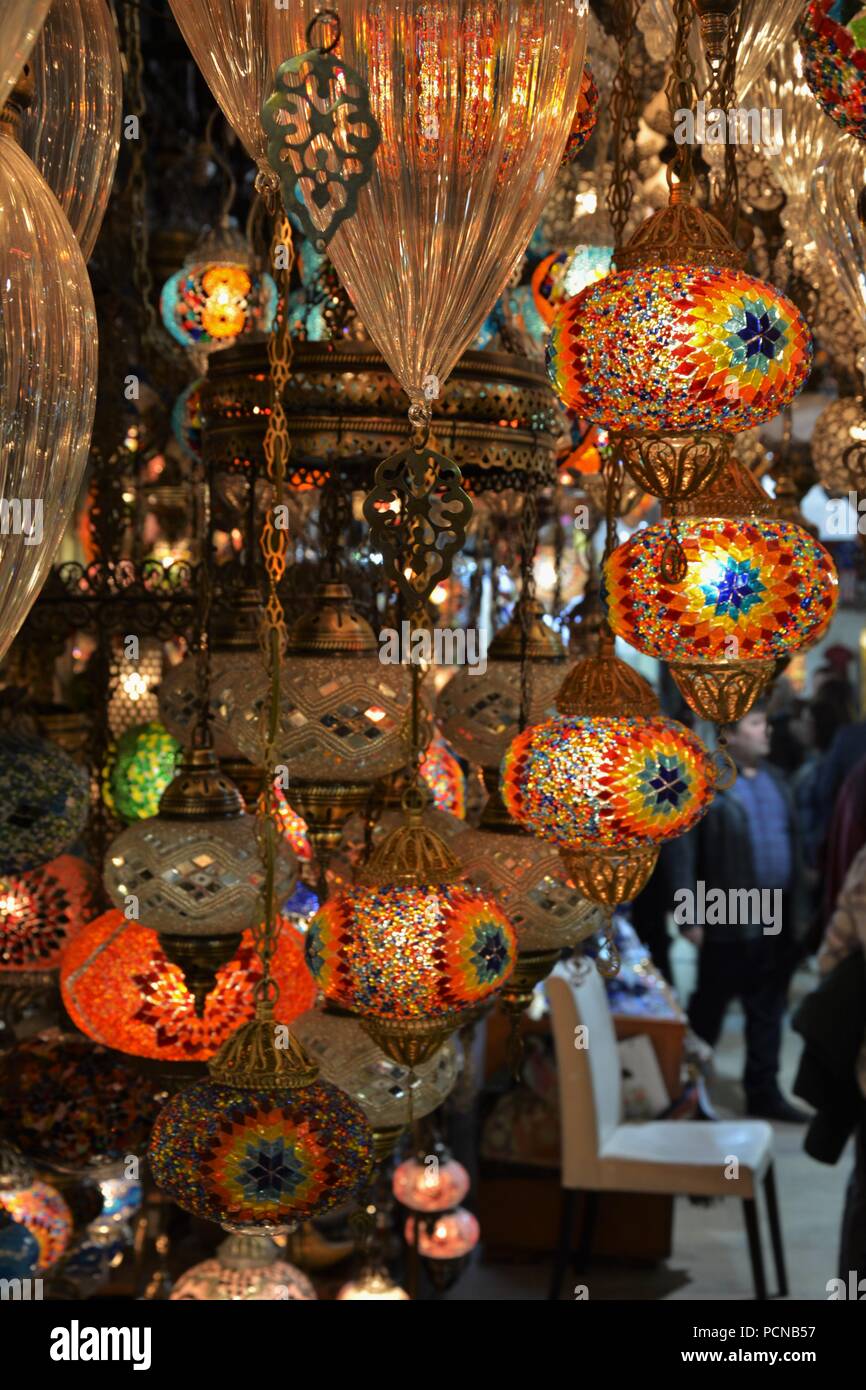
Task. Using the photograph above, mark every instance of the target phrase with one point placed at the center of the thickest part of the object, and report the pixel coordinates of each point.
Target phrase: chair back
(588, 1069)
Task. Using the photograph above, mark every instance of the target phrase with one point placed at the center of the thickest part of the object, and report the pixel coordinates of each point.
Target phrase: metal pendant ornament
(322, 136)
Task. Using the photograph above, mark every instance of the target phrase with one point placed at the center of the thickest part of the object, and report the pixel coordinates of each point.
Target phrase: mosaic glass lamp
(263, 1144)
(585, 116)
(372, 1286)
(349, 1058)
(677, 350)
(44, 799)
(342, 714)
(430, 1186)
(75, 1105)
(41, 911)
(246, 1269)
(412, 950)
(480, 714)
(35, 1205)
(839, 445)
(755, 589)
(194, 871)
(447, 1236)
(139, 768)
(833, 46)
(609, 779)
(217, 297)
(120, 988)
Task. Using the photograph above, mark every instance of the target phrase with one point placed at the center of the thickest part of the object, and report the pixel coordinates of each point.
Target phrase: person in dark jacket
(737, 879)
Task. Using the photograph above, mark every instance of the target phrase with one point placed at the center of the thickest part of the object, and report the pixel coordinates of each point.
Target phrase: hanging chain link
(729, 191)
(528, 544)
(203, 653)
(682, 91)
(623, 116)
(151, 344)
(274, 545)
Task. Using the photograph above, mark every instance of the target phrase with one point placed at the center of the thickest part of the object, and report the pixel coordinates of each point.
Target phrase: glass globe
(139, 769)
(833, 46)
(42, 1210)
(196, 868)
(449, 1236)
(75, 1105)
(246, 1269)
(839, 445)
(120, 988)
(373, 1285)
(217, 297)
(44, 801)
(121, 1198)
(349, 1058)
(431, 1184)
(526, 877)
(41, 911)
(480, 714)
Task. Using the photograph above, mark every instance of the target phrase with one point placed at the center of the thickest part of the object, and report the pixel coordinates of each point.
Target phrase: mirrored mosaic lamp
(44, 800)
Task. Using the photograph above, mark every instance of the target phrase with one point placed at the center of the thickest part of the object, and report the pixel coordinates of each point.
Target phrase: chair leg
(753, 1231)
(563, 1250)
(776, 1231)
(587, 1235)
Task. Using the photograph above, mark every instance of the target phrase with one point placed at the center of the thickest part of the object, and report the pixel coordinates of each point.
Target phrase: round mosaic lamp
(833, 46)
(372, 1286)
(444, 1242)
(75, 1105)
(386, 1091)
(217, 297)
(608, 780)
(44, 799)
(40, 912)
(246, 1269)
(480, 714)
(677, 350)
(40, 1209)
(19, 1249)
(839, 445)
(342, 714)
(120, 988)
(755, 589)
(194, 872)
(432, 1184)
(139, 768)
(412, 950)
(263, 1144)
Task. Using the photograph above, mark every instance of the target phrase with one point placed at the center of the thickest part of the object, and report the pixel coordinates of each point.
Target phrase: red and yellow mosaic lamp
(41, 911)
(609, 779)
(677, 350)
(755, 588)
(120, 988)
(34, 1205)
(833, 47)
(411, 950)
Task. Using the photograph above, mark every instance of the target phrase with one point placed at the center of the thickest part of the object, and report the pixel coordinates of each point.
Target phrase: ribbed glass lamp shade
(20, 23)
(430, 1186)
(832, 40)
(194, 877)
(839, 445)
(42, 1210)
(246, 1270)
(75, 1105)
(480, 714)
(754, 589)
(42, 910)
(44, 800)
(347, 1057)
(526, 877)
(48, 350)
(765, 25)
(120, 989)
(448, 1236)
(678, 348)
(71, 131)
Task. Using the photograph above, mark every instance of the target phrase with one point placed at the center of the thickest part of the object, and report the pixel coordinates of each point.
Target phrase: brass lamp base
(199, 958)
(413, 1041)
(386, 1140)
(608, 877)
(722, 692)
(674, 465)
(325, 807)
(531, 967)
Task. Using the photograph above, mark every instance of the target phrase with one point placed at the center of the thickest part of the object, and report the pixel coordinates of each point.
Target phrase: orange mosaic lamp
(120, 988)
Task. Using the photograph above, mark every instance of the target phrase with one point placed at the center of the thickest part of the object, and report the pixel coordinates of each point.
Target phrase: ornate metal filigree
(607, 877)
(722, 693)
(322, 136)
(673, 465)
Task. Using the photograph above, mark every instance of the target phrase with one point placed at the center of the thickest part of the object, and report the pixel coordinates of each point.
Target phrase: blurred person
(747, 841)
(829, 710)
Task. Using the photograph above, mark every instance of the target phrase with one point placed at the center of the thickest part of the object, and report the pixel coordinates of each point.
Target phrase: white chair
(602, 1153)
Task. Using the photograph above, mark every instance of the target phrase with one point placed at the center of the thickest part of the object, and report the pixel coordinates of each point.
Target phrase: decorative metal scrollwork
(322, 136)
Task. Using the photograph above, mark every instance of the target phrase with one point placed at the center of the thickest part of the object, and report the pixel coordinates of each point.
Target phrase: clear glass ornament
(20, 22)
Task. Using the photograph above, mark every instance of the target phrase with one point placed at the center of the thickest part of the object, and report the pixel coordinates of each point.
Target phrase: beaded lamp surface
(839, 445)
(139, 769)
(246, 1269)
(120, 989)
(349, 1058)
(74, 1104)
(42, 1210)
(42, 910)
(263, 1144)
(833, 45)
(44, 799)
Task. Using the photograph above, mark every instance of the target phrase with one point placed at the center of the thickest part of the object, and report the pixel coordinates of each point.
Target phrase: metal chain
(729, 191)
(682, 91)
(203, 654)
(274, 545)
(623, 114)
(528, 545)
(137, 103)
